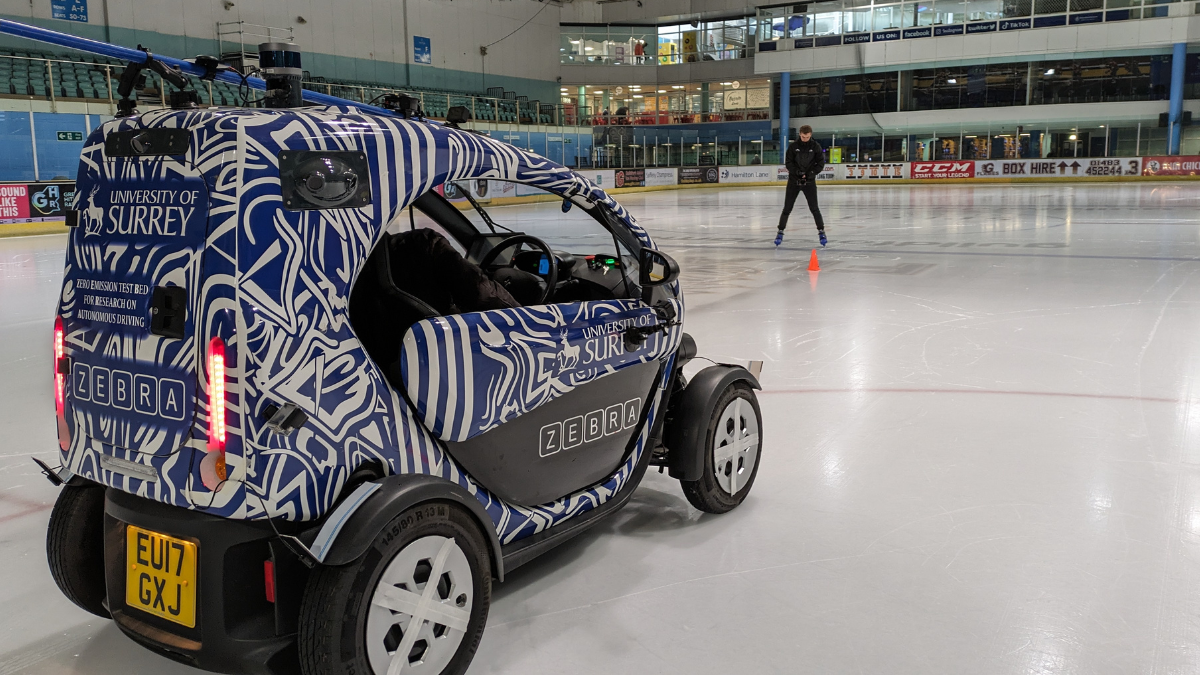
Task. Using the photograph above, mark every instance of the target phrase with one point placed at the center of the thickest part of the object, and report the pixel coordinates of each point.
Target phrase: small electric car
(313, 397)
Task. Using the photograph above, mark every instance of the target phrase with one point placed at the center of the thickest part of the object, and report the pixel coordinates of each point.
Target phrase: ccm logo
(593, 426)
(144, 394)
(945, 167)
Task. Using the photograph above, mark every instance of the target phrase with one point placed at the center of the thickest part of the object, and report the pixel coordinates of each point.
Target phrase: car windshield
(503, 206)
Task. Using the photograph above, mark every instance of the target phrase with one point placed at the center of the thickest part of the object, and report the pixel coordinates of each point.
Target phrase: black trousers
(809, 189)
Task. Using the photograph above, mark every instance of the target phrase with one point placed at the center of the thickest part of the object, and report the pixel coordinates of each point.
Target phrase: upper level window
(718, 40)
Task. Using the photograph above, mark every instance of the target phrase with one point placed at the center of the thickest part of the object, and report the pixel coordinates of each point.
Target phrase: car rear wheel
(415, 602)
(733, 442)
(75, 546)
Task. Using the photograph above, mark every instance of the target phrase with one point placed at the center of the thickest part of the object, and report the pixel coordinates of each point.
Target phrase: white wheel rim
(735, 446)
(416, 627)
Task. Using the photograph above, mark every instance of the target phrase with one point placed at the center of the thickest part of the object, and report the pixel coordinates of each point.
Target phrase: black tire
(332, 636)
(75, 547)
(707, 494)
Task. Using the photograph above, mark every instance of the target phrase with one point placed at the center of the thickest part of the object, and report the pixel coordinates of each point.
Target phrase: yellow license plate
(161, 576)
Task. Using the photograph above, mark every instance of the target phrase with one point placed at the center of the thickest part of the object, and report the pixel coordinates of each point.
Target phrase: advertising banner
(1171, 166)
(14, 203)
(884, 171)
(692, 175)
(748, 174)
(1068, 167)
(503, 188)
(480, 190)
(949, 169)
(1114, 166)
(50, 202)
(660, 177)
(35, 202)
(603, 178)
(828, 173)
(624, 178)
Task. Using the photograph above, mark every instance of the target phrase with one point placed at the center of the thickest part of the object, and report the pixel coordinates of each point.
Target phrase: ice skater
(805, 159)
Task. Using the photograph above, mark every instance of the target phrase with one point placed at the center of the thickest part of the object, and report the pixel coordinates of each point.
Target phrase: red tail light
(216, 395)
(59, 376)
(269, 579)
(61, 370)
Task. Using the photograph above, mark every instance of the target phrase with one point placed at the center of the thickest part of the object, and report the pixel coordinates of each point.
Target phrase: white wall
(655, 11)
(462, 26)
(583, 11)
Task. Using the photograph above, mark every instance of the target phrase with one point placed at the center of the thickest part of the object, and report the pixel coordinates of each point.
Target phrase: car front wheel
(732, 448)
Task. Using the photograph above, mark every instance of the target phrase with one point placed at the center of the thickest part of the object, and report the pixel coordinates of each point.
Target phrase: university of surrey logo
(92, 215)
(568, 356)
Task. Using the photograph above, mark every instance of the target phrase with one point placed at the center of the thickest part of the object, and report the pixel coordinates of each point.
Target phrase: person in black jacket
(805, 159)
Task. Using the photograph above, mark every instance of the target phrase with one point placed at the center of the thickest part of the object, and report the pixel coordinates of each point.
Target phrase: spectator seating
(25, 73)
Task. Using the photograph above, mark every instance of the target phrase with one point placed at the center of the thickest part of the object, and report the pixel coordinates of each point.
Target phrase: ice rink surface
(981, 451)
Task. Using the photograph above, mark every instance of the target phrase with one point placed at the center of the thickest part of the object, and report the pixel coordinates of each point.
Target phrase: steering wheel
(551, 277)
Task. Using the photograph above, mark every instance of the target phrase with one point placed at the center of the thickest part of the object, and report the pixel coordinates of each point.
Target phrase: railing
(672, 117)
(61, 80)
(491, 109)
(836, 22)
(54, 80)
(228, 29)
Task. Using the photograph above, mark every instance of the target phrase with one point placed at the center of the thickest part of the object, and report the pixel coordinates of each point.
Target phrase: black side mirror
(655, 268)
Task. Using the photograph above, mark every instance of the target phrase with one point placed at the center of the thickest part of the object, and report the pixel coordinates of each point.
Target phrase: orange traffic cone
(813, 265)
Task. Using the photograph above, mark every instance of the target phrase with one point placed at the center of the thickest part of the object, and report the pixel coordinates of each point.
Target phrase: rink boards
(39, 208)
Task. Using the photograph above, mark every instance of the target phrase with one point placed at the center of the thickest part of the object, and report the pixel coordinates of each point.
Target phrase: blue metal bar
(137, 56)
(1175, 114)
(785, 113)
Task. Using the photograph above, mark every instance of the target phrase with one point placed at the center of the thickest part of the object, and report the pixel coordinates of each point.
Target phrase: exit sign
(70, 135)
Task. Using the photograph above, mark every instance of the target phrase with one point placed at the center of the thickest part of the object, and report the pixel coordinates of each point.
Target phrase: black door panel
(564, 445)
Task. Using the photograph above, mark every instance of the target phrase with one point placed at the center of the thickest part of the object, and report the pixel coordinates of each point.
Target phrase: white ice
(981, 451)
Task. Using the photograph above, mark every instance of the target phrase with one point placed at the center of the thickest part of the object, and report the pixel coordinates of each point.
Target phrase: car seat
(381, 312)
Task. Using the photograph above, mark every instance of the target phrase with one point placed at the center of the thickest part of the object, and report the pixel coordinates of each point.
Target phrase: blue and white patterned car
(313, 397)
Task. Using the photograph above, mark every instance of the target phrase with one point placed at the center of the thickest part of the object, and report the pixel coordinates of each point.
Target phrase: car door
(534, 402)
(538, 402)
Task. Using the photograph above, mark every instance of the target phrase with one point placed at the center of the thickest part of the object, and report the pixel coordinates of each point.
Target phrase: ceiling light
(1050, 71)
(1072, 137)
(637, 96)
(952, 81)
(662, 91)
(677, 86)
(726, 84)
